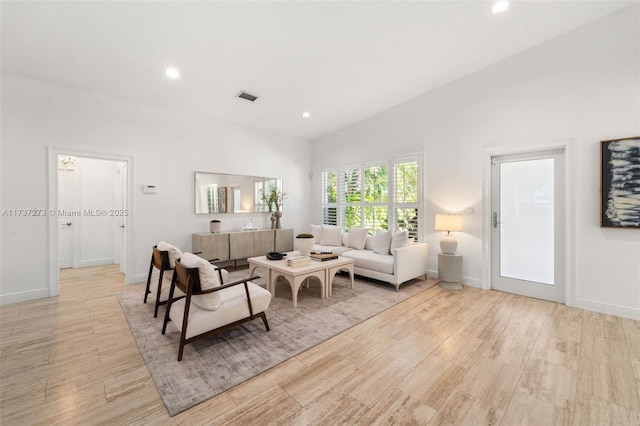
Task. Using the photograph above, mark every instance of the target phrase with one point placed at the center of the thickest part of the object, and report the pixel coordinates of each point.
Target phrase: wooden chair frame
(188, 280)
(159, 260)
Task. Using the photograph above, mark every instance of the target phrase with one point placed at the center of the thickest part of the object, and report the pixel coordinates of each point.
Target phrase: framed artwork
(620, 183)
(222, 199)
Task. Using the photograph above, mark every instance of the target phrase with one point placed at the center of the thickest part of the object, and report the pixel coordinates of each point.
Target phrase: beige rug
(213, 365)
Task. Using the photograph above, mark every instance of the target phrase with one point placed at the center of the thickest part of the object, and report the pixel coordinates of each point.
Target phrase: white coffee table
(324, 271)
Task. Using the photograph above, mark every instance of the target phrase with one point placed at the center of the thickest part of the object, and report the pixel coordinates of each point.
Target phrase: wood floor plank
(398, 408)
(432, 381)
(525, 409)
(332, 408)
(609, 382)
(371, 381)
(490, 381)
(549, 382)
(463, 409)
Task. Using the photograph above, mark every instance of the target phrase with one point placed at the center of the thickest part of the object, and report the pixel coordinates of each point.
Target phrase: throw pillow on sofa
(357, 238)
(382, 241)
(400, 239)
(316, 231)
(331, 235)
(208, 279)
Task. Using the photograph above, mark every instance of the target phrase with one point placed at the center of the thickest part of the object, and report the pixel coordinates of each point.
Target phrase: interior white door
(528, 238)
(66, 210)
(123, 218)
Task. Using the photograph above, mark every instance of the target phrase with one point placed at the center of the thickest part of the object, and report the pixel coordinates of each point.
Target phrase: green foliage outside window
(366, 200)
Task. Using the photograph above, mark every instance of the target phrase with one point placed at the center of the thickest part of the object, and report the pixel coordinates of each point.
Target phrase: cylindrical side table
(450, 271)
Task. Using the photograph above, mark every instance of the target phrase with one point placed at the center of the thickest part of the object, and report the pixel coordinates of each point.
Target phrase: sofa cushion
(174, 252)
(368, 245)
(357, 238)
(331, 235)
(333, 249)
(208, 279)
(367, 259)
(316, 231)
(400, 239)
(382, 241)
(233, 307)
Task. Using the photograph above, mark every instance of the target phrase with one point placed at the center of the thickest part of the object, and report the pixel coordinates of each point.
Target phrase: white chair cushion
(208, 279)
(357, 238)
(174, 252)
(166, 285)
(367, 259)
(234, 307)
(331, 235)
(382, 241)
(400, 239)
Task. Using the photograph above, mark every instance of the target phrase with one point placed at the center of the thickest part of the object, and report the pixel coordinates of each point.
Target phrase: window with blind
(376, 195)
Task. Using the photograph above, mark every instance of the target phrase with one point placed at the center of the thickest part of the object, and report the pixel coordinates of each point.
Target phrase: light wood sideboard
(242, 244)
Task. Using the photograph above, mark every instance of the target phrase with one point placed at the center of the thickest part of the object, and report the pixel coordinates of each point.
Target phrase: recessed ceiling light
(500, 7)
(306, 114)
(172, 73)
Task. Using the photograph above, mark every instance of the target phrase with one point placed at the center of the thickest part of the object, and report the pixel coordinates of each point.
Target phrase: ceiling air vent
(247, 96)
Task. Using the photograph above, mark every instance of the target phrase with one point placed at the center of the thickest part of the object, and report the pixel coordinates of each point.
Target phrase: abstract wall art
(620, 183)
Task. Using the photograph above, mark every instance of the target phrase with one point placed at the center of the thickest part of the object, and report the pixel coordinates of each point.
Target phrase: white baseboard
(140, 278)
(97, 262)
(472, 282)
(24, 296)
(605, 308)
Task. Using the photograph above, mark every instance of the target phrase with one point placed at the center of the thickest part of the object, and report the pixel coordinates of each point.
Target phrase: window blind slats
(374, 196)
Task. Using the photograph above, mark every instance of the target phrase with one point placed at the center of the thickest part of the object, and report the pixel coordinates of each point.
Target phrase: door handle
(495, 220)
(121, 226)
(68, 223)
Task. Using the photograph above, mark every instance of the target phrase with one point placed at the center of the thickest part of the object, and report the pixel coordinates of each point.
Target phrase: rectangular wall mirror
(227, 193)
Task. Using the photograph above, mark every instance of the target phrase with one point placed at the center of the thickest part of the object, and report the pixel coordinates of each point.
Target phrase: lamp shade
(448, 222)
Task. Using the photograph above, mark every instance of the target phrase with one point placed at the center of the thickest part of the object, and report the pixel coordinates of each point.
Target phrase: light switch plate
(148, 189)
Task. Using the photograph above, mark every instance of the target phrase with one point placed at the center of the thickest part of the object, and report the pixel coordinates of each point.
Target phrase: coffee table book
(322, 257)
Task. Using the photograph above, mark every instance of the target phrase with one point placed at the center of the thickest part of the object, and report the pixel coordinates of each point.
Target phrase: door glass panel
(527, 220)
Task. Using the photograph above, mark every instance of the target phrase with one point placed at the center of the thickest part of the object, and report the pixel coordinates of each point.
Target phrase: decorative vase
(215, 227)
(304, 246)
(273, 221)
(278, 215)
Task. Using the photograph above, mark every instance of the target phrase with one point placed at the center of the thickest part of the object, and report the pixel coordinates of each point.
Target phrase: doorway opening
(90, 197)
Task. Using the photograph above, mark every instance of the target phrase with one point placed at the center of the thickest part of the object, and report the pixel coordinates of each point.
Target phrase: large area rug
(215, 364)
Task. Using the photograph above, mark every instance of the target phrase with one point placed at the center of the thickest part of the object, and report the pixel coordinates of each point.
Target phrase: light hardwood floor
(468, 357)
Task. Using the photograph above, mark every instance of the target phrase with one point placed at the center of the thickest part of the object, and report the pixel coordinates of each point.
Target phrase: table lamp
(448, 222)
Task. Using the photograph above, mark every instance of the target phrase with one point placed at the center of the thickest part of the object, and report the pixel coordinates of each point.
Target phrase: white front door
(527, 223)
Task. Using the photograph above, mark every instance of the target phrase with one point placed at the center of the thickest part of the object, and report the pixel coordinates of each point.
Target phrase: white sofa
(400, 266)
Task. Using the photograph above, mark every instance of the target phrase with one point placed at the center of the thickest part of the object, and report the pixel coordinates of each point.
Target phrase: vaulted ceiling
(340, 61)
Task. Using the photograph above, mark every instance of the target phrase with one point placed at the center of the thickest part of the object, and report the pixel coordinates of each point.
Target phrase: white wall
(583, 86)
(167, 147)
